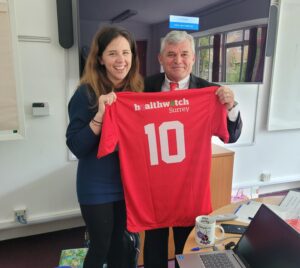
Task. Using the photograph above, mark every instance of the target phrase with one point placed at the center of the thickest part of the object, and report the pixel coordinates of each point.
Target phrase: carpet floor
(42, 251)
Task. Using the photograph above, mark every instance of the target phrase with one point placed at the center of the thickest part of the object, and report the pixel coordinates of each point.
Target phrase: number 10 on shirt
(163, 129)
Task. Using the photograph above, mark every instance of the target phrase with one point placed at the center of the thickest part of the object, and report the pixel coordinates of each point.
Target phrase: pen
(195, 249)
(237, 209)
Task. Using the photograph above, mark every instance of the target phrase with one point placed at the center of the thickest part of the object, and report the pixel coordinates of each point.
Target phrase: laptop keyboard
(220, 260)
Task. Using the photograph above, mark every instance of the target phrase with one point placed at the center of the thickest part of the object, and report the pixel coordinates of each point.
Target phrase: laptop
(268, 242)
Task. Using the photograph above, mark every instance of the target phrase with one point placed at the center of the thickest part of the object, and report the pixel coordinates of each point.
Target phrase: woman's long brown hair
(94, 74)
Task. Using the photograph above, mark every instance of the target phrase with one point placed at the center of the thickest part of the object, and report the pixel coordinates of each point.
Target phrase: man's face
(177, 60)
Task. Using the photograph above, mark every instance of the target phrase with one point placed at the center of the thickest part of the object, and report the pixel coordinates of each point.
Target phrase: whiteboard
(284, 102)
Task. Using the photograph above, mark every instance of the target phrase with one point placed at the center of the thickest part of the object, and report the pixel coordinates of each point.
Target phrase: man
(177, 56)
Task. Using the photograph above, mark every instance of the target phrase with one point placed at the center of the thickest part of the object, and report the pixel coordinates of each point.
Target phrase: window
(233, 56)
(204, 52)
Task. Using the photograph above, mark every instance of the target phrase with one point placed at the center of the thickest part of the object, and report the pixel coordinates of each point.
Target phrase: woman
(112, 65)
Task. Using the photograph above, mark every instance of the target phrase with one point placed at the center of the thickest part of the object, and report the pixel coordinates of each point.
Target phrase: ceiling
(149, 11)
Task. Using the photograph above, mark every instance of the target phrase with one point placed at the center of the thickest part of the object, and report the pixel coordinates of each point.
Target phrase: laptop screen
(269, 242)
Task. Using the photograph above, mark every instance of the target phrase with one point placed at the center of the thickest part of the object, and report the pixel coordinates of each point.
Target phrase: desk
(191, 243)
(221, 176)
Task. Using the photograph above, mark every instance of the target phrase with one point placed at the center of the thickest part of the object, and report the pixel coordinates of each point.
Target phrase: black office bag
(131, 249)
(131, 243)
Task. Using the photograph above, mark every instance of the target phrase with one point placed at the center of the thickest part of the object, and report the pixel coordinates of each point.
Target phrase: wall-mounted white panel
(284, 105)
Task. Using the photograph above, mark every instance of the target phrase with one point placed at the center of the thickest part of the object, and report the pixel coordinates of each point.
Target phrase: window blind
(8, 93)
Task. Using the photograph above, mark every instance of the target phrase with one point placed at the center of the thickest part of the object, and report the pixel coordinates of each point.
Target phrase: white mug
(205, 230)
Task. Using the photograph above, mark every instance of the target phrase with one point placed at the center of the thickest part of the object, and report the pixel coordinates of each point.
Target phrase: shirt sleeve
(219, 120)
(233, 113)
(81, 140)
(109, 136)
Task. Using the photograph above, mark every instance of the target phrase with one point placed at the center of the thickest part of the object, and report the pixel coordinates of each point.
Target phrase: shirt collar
(183, 84)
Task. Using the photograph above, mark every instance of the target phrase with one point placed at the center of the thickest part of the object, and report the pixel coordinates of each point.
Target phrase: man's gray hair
(175, 37)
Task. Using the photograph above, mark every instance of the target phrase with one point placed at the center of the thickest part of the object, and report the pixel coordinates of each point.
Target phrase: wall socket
(21, 216)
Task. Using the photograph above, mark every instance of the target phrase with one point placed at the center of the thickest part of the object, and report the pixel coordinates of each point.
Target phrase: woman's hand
(96, 122)
(102, 101)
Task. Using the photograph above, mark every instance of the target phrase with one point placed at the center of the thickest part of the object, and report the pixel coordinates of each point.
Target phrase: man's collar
(183, 84)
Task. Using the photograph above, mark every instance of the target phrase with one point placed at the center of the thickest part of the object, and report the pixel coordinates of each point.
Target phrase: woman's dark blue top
(98, 180)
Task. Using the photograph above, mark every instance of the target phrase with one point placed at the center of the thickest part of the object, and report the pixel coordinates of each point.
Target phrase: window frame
(223, 31)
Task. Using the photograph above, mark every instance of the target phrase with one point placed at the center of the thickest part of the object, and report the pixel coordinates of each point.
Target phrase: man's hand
(226, 96)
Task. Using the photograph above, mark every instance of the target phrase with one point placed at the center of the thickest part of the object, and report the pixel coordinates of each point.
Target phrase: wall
(276, 153)
(36, 173)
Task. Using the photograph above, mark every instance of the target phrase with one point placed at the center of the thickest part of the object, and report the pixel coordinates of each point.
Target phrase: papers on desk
(246, 212)
(289, 208)
(291, 203)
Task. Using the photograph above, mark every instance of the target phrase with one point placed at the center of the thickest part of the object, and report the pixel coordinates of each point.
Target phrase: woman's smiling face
(117, 59)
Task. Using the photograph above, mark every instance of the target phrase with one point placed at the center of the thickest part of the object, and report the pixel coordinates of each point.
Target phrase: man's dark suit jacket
(154, 84)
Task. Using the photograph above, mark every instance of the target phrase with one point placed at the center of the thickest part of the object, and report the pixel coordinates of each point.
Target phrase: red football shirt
(164, 141)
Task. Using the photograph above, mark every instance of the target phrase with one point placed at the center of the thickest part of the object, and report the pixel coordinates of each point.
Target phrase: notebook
(268, 242)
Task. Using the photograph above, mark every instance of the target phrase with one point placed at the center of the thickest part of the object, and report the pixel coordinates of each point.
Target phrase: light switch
(40, 109)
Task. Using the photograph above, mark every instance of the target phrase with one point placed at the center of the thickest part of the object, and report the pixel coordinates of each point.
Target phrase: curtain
(251, 54)
(216, 58)
(261, 58)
